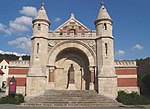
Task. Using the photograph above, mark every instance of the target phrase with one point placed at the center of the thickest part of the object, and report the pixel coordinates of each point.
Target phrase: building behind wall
(18, 69)
(73, 57)
(4, 66)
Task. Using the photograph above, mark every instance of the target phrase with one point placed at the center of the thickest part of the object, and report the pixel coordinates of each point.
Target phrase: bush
(132, 98)
(12, 100)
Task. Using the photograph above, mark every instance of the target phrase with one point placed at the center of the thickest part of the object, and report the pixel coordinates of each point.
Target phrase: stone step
(69, 92)
(71, 98)
(65, 100)
(74, 104)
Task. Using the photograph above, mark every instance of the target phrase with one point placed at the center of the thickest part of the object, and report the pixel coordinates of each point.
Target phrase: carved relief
(91, 43)
(52, 43)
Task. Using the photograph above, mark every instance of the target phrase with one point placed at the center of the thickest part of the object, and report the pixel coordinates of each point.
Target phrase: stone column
(92, 76)
(51, 77)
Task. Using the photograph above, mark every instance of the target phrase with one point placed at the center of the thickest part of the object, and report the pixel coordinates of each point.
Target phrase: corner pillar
(51, 77)
(92, 76)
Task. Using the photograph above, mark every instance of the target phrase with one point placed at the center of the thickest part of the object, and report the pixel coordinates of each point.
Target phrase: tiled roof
(1, 72)
(5, 60)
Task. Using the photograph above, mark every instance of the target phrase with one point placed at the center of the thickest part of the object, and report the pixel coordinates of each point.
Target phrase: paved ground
(6, 106)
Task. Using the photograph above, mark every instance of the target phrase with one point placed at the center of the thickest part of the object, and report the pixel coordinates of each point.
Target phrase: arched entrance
(77, 54)
(79, 62)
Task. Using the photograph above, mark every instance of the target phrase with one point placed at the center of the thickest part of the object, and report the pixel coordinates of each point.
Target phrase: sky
(131, 23)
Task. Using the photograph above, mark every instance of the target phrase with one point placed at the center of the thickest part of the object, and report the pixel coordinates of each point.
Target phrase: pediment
(72, 25)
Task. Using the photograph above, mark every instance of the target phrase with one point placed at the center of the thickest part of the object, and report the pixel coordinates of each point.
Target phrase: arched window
(106, 49)
(105, 26)
(39, 26)
(37, 47)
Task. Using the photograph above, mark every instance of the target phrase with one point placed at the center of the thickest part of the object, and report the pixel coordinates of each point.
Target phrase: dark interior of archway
(79, 57)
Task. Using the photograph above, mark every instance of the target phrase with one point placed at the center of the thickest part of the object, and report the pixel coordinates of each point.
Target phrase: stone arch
(72, 44)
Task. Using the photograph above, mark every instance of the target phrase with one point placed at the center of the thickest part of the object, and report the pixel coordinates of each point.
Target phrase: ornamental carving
(91, 43)
(52, 43)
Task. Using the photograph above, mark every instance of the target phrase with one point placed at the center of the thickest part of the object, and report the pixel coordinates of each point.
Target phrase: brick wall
(127, 79)
(20, 71)
(20, 81)
(126, 71)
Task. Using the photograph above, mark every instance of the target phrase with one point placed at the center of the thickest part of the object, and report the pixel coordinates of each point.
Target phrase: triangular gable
(5, 61)
(72, 22)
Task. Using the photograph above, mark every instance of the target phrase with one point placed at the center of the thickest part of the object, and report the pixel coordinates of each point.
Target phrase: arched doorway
(65, 53)
(66, 58)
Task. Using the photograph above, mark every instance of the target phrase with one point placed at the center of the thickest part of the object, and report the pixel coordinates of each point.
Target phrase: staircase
(71, 98)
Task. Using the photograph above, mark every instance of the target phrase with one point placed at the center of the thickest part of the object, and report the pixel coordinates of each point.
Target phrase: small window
(37, 47)
(105, 26)
(80, 28)
(106, 49)
(61, 33)
(73, 31)
(5, 67)
(1, 67)
(39, 26)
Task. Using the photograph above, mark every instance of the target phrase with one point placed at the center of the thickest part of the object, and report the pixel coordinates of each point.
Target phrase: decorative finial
(102, 3)
(72, 16)
(42, 4)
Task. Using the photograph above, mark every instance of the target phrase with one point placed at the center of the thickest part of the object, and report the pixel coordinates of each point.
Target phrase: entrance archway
(71, 52)
(80, 63)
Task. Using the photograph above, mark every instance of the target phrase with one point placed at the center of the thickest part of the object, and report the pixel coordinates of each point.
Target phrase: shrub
(12, 100)
(132, 98)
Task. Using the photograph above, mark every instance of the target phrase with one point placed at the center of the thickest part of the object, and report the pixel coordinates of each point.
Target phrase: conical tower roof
(103, 14)
(41, 15)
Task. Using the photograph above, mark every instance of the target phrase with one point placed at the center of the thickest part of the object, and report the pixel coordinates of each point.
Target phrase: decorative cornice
(99, 20)
(41, 20)
(39, 37)
(100, 37)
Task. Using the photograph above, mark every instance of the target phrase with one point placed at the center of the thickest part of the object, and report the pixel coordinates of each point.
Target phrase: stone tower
(37, 73)
(107, 79)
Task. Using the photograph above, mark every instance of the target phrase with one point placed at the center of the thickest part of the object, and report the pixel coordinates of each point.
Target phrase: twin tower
(89, 53)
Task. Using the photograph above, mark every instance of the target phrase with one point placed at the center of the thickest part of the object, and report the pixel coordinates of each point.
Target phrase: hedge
(132, 98)
(18, 99)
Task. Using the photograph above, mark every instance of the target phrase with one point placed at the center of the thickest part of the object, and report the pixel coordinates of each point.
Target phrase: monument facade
(72, 57)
